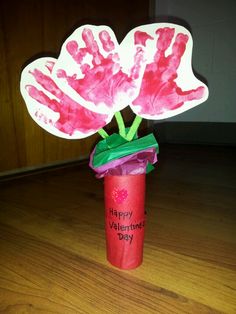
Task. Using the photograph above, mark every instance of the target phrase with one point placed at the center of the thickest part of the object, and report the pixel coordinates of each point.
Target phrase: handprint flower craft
(168, 85)
(94, 78)
(90, 69)
(53, 109)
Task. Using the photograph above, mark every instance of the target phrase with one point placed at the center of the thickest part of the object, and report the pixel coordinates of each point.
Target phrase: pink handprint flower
(53, 109)
(168, 86)
(94, 78)
(90, 69)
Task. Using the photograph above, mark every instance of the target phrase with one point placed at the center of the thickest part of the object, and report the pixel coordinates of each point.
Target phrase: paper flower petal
(90, 71)
(53, 109)
(168, 86)
(133, 164)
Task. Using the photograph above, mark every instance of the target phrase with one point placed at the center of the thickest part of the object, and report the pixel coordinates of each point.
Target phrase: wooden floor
(52, 241)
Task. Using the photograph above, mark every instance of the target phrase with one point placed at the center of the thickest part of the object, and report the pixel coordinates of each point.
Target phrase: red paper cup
(125, 219)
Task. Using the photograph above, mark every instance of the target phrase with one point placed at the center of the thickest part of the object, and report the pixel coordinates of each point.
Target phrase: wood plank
(8, 156)
(22, 28)
(52, 241)
(68, 283)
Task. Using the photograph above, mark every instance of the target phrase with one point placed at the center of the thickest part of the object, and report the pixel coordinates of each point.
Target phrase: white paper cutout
(168, 85)
(89, 69)
(52, 109)
(78, 93)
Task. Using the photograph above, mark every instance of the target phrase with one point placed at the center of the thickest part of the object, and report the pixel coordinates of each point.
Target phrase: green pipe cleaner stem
(103, 133)
(120, 122)
(133, 129)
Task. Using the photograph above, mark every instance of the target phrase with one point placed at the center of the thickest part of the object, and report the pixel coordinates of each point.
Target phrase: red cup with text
(125, 219)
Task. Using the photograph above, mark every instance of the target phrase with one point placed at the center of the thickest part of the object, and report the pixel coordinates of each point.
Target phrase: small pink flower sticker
(119, 195)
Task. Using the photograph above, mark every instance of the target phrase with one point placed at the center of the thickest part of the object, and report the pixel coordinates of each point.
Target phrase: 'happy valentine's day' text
(124, 229)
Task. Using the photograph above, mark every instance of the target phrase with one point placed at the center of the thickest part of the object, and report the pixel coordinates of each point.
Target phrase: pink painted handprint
(161, 94)
(94, 77)
(54, 110)
(90, 68)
